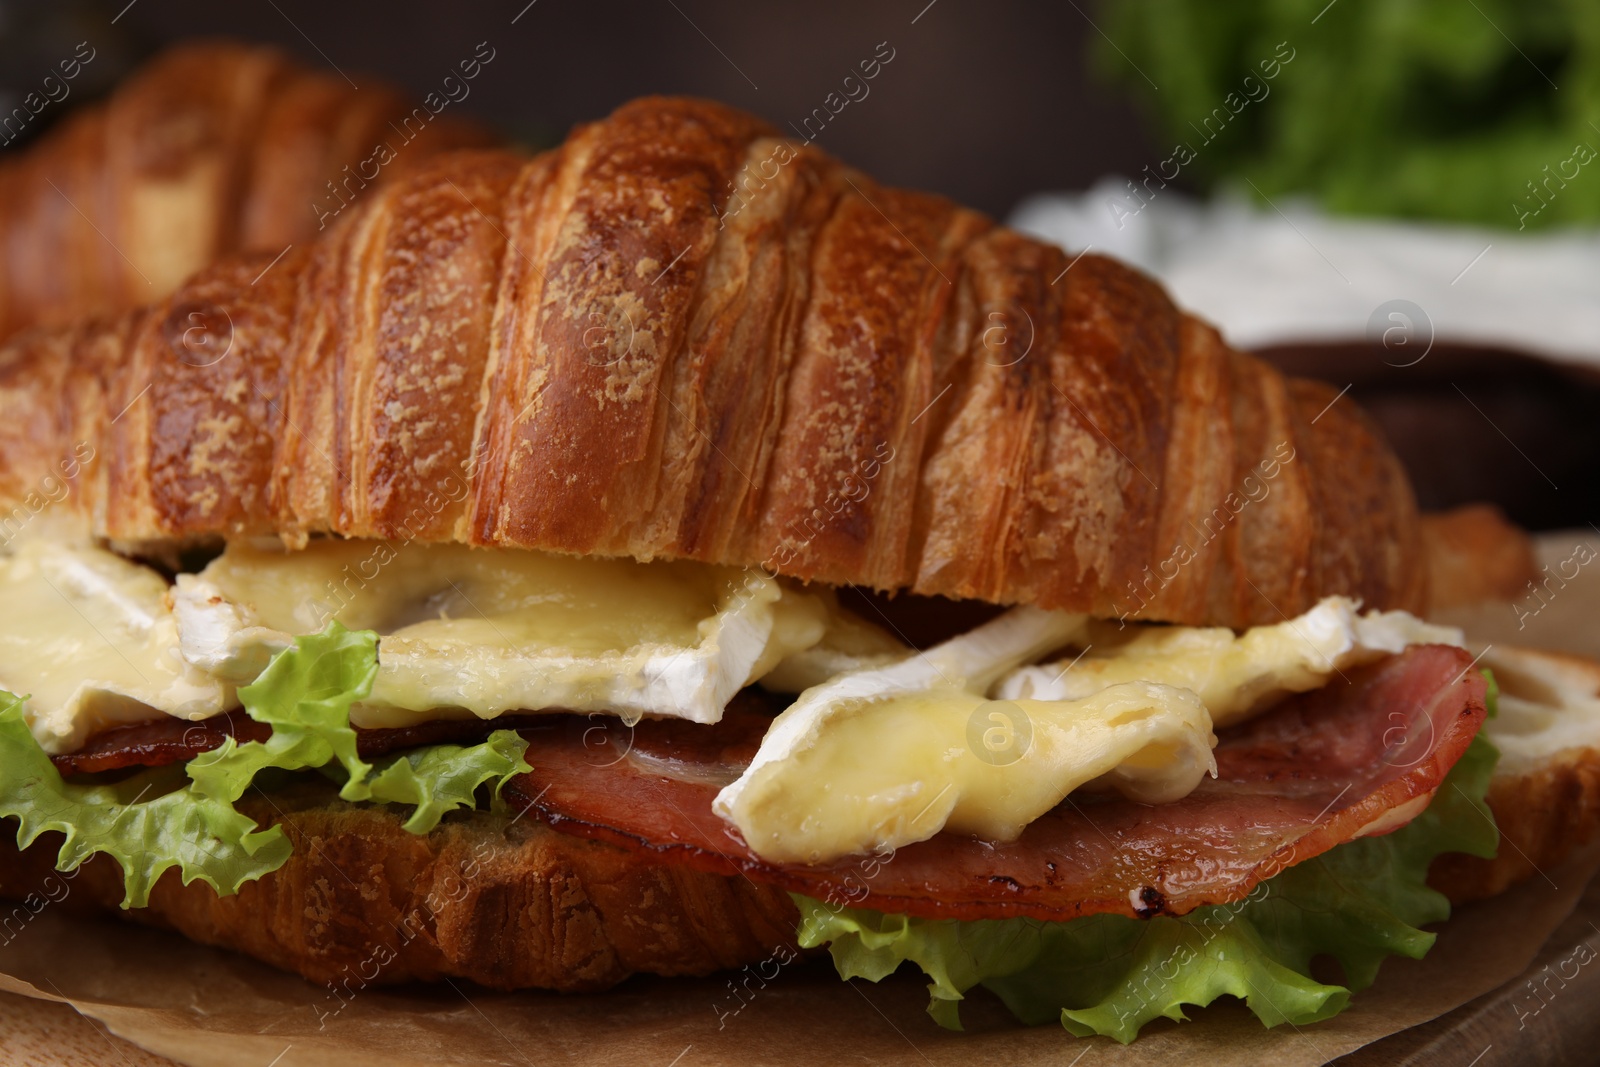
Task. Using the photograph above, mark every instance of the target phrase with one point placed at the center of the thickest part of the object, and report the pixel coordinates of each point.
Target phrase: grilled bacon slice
(1360, 756)
(617, 861)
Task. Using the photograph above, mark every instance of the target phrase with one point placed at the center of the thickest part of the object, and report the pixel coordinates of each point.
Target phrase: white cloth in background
(1267, 277)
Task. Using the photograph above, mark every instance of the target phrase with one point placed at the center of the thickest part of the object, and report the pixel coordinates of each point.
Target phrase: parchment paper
(1545, 1015)
(209, 1008)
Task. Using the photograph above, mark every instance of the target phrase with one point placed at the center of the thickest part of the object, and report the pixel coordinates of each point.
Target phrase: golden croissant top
(681, 335)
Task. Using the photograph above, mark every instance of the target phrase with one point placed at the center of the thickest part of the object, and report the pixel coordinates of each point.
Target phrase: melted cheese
(882, 773)
(97, 639)
(965, 738)
(88, 639)
(1234, 675)
(850, 643)
(882, 757)
(1549, 705)
(483, 632)
(881, 749)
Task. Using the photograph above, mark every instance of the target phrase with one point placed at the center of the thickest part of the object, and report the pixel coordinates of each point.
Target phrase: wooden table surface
(40, 1033)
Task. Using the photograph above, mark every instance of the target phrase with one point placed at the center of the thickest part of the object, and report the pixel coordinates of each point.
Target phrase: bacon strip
(164, 741)
(1362, 755)
(167, 740)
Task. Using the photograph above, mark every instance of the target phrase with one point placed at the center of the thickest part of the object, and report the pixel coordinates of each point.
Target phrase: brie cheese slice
(1549, 705)
(1235, 675)
(964, 738)
(483, 632)
(881, 757)
(850, 643)
(90, 644)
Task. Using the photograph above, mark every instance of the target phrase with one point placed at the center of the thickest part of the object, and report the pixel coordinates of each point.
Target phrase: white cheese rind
(849, 643)
(466, 663)
(97, 639)
(971, 661)
(217, 636)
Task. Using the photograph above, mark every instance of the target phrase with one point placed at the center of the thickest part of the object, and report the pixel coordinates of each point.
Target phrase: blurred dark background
(983, 102)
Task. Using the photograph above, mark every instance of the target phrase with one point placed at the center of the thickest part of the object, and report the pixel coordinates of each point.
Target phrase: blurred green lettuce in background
(1484, 111)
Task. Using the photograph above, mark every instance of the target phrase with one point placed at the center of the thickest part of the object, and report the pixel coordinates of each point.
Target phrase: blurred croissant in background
(211, 148)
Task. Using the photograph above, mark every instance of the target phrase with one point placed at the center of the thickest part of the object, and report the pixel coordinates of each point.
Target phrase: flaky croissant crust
(508, 904)
(681, 336)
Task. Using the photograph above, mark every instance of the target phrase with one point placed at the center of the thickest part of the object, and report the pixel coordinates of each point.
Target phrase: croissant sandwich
(677, 552)
(212, 148)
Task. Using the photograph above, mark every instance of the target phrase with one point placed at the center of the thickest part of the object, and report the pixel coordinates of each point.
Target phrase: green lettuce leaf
(149, 823)
(1108, 974)
(162, 818)
(305, 696)
(441, 778)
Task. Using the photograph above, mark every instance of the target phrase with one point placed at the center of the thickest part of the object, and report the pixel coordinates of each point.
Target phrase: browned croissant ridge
(211, 148)
(681, 336)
